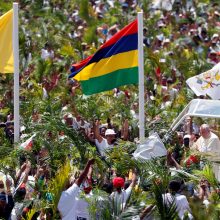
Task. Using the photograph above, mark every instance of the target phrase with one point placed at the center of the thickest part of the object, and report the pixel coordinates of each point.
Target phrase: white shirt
(103, 146)
(181, 202)
(134, 114)
(80, 124)
(15, 213)
(211, 144)
(72, 206)
(45, 94)
(76, 124)
(45, 54)
(3, 177)
(82, 207)
(173, 93)
(67, 203)
(120, 199)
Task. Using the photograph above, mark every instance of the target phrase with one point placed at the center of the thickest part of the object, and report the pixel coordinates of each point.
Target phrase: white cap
(80, 27)
(109, 132)
(68, 115)
(160, 37)
(213, 52)
(22, 128)
(152, 97)
(161, 24)
(187, 136)
(214, 36)
(167, 40)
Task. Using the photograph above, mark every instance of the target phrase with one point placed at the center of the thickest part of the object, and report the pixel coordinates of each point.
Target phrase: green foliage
(58, 184)
(51, 25)
(30, 214)
(84, 10)
(208, 174)
(120, 158)
(90, 35)
(5, 6)
(166, 211)
(5, 145)
(153, 170)
(67, 50)
(50, 127)
(99, 205)
(156, 176)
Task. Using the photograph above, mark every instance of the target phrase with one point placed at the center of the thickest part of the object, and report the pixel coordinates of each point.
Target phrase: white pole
(141, 77)
(16, 73)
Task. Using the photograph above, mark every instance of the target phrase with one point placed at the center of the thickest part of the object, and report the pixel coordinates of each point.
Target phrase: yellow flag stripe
(108, 65)
(6, 47)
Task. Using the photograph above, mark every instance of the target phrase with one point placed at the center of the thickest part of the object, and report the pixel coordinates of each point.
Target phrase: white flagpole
(16, 73)
(141, 77)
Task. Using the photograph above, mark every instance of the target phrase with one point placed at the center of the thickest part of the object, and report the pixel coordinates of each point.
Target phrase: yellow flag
(6, 47)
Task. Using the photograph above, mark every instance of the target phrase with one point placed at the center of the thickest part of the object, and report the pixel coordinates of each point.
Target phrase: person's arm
(9, 194)
(89, 175)
(69, 195)
(201, 193)
(132, 184)
(40, 172)
(177, 165)
(133, 180)
(146, 211)
(22, 169)
(109, 123)
(196, 145)
(8, 186)
(125, 130)
(204, 192)
(171, 159)
(85, 172)
(27, 171)
(96, 132)
(89, 135)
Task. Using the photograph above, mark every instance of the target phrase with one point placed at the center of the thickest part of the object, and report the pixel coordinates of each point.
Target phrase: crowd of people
(187, 32)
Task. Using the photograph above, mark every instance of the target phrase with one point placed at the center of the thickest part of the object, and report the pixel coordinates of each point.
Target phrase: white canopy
(198, 108)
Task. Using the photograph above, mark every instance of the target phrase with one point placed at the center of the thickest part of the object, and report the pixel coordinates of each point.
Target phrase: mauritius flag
(114, 64)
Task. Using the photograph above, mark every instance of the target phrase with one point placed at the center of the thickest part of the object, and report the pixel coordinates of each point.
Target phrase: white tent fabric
(207, 83)
(204, 108)
(151, 148)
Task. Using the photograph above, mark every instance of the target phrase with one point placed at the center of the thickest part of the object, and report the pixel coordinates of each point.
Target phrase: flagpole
(141, 77)
(16, 73)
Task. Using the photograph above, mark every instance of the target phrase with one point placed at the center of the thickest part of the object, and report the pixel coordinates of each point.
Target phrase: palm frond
(208, 174)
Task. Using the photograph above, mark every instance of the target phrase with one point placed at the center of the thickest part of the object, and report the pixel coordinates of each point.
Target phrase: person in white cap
(103, 143)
